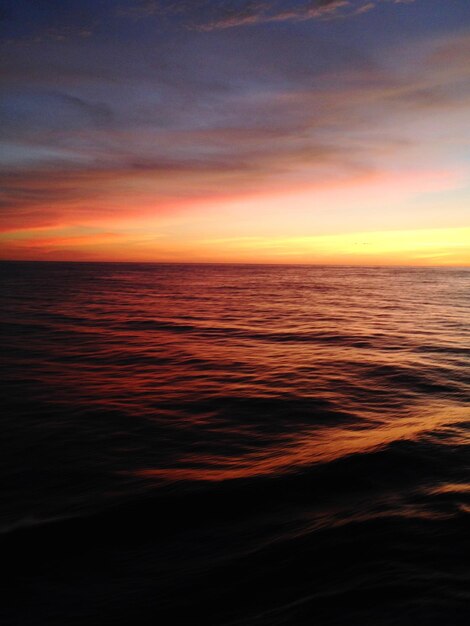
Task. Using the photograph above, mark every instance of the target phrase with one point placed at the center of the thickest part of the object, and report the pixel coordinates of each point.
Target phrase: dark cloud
(22, 110)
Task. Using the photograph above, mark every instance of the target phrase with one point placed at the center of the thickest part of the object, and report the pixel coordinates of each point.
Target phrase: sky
(270, 131)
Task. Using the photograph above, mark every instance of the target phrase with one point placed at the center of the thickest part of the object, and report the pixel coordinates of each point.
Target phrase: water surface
(235, 444)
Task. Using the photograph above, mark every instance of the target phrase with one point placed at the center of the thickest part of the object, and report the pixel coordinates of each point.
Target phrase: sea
(234, 445)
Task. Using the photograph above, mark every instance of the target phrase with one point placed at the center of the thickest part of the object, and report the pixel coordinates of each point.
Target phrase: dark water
(235, 445)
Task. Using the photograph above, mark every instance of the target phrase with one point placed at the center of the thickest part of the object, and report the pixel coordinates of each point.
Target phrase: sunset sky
(297, 131)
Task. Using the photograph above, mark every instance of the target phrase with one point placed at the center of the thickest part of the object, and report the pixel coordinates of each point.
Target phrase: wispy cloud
(206, 16)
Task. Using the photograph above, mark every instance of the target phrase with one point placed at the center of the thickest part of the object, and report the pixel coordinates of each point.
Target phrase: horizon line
(240, 263)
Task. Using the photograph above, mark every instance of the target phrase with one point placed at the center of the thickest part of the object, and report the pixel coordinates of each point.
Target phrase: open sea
(234, 445)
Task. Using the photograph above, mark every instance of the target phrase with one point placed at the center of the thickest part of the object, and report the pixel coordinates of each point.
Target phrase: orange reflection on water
(315, 448)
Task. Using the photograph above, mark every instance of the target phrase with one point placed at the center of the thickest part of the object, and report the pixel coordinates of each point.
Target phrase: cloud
(206, 16)
(96, 127)
(228, 161)
(23, 24)
(258, 13)
(47, 110)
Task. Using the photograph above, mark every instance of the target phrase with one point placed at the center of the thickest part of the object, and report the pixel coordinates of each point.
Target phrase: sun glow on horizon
(439, 246)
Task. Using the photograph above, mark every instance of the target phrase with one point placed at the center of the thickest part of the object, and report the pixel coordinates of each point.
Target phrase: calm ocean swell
(246, 445)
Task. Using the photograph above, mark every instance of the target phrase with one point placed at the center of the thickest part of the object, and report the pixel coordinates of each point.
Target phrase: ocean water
(235, 445)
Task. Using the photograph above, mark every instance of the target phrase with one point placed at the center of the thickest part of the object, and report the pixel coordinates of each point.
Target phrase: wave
(422, 466)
